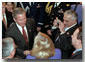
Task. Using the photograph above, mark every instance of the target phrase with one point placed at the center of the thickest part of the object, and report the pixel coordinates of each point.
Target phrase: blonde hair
(43, 47)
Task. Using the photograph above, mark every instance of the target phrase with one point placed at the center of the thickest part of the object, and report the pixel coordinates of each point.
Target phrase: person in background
(7, 19)
(53, 10)
(77, 43)
(36, 11)
(22, 31)
(43, 48)
(8, 48)
(64, 31)
(10, 6)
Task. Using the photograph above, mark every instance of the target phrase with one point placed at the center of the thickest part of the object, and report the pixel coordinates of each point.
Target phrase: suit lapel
(77, 53)
(19, 35)
(71, 30)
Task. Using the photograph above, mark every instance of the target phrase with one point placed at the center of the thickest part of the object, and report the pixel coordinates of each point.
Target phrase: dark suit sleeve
(63, 42)
(11, 33)
(32, 27)
(20, 52)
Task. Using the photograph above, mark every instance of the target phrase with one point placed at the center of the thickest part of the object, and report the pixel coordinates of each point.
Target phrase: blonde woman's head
(43, 47)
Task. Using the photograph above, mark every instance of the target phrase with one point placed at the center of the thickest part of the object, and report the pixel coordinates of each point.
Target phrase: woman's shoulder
(30, 57)
(57, 50)
(57, 54)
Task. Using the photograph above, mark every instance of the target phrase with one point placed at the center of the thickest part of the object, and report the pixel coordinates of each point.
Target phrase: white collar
(77, 50)
(70, 27)
(20, 27)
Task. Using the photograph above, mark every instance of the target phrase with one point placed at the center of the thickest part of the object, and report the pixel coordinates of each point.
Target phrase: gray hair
(7, 46)
(17, 11)
(73, 13)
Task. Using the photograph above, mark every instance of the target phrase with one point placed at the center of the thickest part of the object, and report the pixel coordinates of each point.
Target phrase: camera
(58, 22)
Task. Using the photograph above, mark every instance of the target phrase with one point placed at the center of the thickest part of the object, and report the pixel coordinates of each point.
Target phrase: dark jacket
(9, 21)
(19, 40)
(77, 55)
(63, 41)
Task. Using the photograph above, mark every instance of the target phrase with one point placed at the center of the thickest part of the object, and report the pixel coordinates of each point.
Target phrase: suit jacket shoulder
(19, 40)
(77, 55)
(64, 40)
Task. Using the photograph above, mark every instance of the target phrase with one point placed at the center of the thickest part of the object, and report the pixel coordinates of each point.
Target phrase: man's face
(68, 20)
(74, 36)
(21, 19)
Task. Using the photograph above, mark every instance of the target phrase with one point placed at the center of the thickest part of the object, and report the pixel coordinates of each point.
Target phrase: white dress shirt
(20, 29)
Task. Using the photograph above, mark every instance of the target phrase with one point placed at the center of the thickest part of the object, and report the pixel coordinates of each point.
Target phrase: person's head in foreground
(43, 47)
(8, 48)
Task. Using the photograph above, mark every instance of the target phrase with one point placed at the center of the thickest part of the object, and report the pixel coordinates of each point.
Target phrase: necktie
(24, 35)
(4, 21)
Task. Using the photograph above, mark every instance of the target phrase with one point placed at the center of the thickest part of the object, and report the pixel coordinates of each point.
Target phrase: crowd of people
(41, 30)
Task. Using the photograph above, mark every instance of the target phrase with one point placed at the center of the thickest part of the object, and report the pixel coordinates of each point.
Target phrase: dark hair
(10, 2)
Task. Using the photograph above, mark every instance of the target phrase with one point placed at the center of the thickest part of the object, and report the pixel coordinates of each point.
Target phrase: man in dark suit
(7, 19)
(64, 31)
(34, 10)
(77, 43)
(22, 31)
(53, 10)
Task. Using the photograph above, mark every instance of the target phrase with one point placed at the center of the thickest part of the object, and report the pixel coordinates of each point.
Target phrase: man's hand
(56, 22)
(26, 52)
(61, 27)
